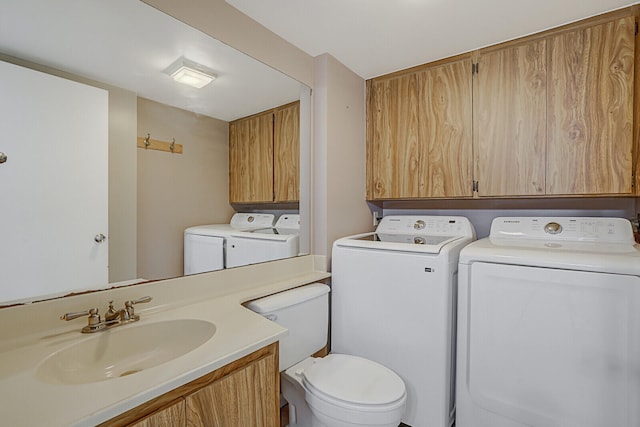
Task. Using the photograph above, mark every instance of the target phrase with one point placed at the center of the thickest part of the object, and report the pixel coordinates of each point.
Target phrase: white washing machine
(393, 301)
(266, 244)
(204, 245)
(549, 325)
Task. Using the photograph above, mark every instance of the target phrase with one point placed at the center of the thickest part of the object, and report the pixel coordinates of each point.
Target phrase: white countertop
(27, 400)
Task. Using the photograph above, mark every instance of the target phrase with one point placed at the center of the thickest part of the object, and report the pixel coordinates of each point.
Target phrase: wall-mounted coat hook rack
(154, 144)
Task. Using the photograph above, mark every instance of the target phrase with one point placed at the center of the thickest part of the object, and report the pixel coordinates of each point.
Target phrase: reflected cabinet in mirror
(110, 158)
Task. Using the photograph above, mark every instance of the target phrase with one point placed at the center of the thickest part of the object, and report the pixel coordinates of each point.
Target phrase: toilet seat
(354, 383)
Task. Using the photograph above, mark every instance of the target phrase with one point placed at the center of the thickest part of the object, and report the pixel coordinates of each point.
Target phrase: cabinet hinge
(475, 186)
(474, 68)
(636, 29)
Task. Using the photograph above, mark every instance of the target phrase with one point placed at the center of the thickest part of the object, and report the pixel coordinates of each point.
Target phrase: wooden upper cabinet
(286, 148)
(511, 125)
(264, 151)
(251, 159)
(590, 125)
(419, 130)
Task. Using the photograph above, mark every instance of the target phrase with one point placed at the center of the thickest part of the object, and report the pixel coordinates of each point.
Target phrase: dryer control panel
(582, 229)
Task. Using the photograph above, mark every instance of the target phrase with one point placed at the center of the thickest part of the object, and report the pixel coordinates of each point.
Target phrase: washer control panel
(588, 229)
(426, 225)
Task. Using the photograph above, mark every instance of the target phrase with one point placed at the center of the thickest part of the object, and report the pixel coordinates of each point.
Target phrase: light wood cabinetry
(590, 126)
(242, 393)
(251, 159)
(286, 148)
(236, 400)
(419, 133)
(511, 113)
(264, 156)
(171, 416)
(553, 115)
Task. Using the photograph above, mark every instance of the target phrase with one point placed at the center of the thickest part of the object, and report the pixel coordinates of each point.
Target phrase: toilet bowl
(343, 390)
(338, 390)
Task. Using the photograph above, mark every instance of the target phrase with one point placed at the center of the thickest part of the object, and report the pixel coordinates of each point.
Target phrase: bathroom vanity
(242, 393)
(199, 354)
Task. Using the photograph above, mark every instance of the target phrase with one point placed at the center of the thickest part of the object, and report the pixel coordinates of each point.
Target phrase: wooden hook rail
(154, 144)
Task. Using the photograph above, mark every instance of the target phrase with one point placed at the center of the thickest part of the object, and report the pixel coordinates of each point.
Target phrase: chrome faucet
(112, 317)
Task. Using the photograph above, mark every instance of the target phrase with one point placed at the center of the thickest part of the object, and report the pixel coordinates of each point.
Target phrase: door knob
(100, 238)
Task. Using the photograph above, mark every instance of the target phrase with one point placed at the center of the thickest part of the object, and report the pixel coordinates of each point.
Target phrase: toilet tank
(305, 312)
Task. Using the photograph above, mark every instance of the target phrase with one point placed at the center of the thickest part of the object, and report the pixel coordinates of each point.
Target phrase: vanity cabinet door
(243, 393)
(172, 416)
(590, 127)
(419, 133)
(245, 397)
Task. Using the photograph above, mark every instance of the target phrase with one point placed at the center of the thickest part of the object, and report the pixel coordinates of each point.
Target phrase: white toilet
(338, 390)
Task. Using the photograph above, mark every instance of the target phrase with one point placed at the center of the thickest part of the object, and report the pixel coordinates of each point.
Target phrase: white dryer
(549, 325)
(204, 245)
(393, 302)
(266, 244)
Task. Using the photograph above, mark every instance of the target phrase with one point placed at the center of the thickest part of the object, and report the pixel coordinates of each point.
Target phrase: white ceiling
(375, 37)
(128, 44)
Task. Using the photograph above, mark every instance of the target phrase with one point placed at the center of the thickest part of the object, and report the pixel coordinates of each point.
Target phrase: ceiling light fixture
(190, 73)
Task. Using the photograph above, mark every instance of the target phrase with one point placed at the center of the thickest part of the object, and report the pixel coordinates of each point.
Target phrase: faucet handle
(94, 321)
(128, 305)
(75, 315)
(140, 300)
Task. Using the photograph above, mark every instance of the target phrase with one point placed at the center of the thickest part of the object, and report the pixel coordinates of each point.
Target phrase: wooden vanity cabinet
(242, 393)
(264, 156)
(419, 129)
(171, 416)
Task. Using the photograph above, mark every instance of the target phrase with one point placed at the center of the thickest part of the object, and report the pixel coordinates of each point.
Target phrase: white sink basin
(124, 350)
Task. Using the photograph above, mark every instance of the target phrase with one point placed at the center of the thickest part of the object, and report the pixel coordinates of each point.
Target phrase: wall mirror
(124, 47)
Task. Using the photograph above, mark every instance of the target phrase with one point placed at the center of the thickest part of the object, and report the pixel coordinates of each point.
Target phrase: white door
(53, 185)
(548, 347)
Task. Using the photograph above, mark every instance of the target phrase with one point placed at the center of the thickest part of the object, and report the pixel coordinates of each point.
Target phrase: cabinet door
(286, 153)
(246, 397)
(172, 416)
(511, 124)
(590, 132)
(446, 119)
(251, 159)
(419, 133)
(394, 137)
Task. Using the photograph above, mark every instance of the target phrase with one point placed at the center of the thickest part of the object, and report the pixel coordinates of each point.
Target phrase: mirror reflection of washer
(549, 325)
(204, 245)
(393, 302)
(265, 244)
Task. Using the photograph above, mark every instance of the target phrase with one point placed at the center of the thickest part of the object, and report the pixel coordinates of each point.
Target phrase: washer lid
(353, 379)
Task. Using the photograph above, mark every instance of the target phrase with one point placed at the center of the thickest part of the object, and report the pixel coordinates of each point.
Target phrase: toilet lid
(355, 380)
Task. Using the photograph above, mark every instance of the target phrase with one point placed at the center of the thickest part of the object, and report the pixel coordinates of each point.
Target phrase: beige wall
(176, 191)
(340, 153)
